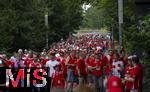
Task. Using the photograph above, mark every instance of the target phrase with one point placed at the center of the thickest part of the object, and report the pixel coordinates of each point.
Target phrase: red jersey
(107, 64)
(43, 61)
(57, 59)
(90, 61)
(137, 74)
(64, 67)
(71, 61)
(105, 60)
(9, 63)
(58, 80)
(128, 70)
(82, 67)
(35, 65)
(111, 58)
(75, 71)
(28, 61)
(99, 66)
(25, 56)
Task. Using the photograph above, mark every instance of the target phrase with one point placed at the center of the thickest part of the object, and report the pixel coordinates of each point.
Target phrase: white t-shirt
(14, 60)
(117, 68)
(50, 64)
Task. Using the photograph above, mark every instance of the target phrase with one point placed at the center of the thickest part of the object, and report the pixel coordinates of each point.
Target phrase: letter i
(28, 78)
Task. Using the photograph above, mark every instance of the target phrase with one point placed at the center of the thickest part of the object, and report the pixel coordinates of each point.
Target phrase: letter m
(9, 75)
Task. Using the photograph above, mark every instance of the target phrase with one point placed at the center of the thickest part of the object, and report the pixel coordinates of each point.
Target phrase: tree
(22, 22)
(107, 11)
(67, 17)
(93, 18)
(142, 38)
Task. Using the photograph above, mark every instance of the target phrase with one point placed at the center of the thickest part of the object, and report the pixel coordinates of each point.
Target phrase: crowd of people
(87, 60)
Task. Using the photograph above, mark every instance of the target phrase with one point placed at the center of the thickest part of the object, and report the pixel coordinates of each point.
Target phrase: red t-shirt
(111, 58)
(98, 71)
(128, 70)
(105, 60)
(137, 74)
(57, 59)
(82, 67)
(107, 64)
(64, 67)
(44, 60)
(90, 61)
(28, 61)
(75, 71)
(35, 65)
(71, 61)
(58, 80)
(9, 63)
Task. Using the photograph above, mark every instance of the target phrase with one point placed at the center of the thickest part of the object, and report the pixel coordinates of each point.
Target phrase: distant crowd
(87, 60)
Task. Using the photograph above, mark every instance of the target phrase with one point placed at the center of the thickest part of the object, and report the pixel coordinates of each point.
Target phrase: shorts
(70, 75)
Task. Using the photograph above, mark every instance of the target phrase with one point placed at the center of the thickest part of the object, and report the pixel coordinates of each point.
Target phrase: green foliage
(104, 13)
(22, 23)
(142, 38)
(133, 40)
(93, 19)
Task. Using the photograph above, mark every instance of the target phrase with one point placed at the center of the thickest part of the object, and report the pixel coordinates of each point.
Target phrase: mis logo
(36, 77)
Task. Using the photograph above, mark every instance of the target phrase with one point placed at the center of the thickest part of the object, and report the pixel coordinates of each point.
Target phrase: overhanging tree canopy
(22, 22)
